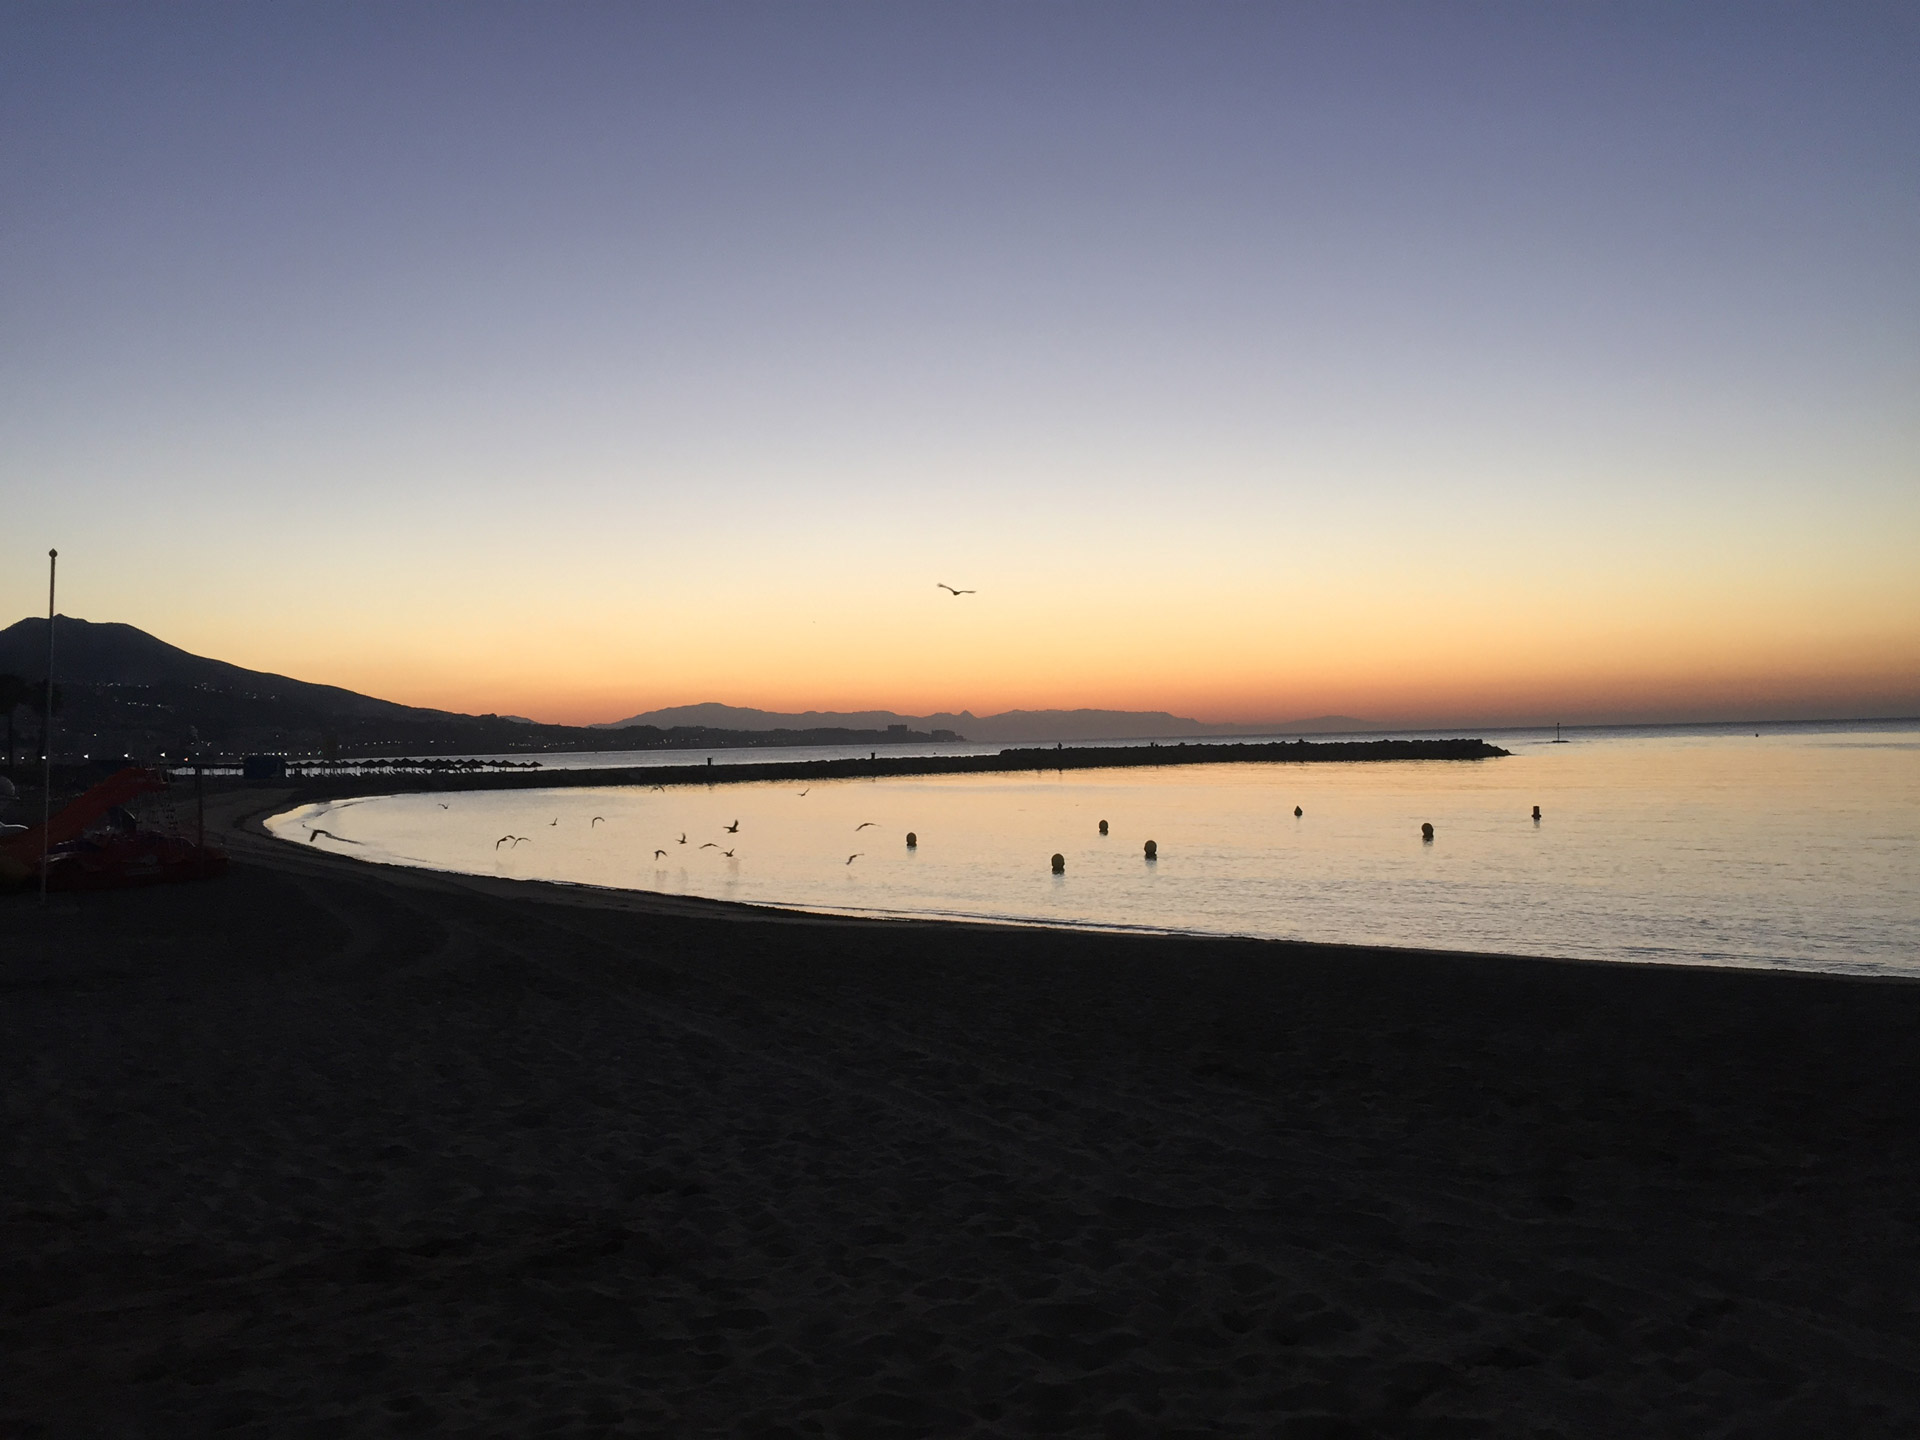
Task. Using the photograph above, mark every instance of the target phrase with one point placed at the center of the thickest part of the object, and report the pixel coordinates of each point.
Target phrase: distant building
(264, 767)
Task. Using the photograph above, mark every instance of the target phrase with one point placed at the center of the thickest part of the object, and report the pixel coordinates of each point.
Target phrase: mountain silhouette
(1005, 728)
(129, 692)
(129, 695)
(108, 653)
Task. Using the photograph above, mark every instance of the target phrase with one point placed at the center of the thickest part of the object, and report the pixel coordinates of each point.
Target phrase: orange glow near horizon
(596, 360)
(1507, 616)
(1228, 653)
(1221, 631)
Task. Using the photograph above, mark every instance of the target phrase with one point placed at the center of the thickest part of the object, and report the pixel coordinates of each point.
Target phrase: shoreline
(252, 825)
(330, 1145)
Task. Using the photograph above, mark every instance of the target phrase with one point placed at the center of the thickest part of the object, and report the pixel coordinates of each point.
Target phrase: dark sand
(322, 1149)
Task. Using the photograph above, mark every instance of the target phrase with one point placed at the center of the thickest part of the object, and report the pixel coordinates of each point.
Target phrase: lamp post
(46, 740)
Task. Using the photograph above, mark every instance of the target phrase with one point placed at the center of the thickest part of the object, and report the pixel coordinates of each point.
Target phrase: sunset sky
(1432, 364)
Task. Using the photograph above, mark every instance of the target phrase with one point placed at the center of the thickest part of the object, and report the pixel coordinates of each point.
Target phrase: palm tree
(13, 694)
(36, 699)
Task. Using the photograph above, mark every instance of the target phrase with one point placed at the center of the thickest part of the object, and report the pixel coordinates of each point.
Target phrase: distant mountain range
(125, 692)
(1009, 727)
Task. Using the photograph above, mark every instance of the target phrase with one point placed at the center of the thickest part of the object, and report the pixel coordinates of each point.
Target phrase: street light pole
(46, 740)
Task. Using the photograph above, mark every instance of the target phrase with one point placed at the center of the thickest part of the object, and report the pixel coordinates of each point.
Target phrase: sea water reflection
(1797, 847)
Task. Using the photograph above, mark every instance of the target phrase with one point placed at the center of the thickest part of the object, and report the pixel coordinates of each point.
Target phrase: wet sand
(329, 1149)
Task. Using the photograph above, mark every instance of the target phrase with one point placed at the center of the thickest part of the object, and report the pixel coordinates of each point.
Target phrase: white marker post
(46, 740)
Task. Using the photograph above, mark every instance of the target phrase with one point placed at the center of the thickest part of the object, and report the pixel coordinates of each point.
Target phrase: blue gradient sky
(1430, 364)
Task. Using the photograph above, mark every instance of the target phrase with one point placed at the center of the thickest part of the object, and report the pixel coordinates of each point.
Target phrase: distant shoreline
(1010, 761)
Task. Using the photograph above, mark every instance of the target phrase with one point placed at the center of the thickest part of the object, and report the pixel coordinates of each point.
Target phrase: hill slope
(127, 694)
(109, 653)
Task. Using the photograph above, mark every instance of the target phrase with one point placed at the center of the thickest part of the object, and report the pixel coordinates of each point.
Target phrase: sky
(1433, 364)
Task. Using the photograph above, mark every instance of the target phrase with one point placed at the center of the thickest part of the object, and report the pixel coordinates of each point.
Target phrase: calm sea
(1796, 846)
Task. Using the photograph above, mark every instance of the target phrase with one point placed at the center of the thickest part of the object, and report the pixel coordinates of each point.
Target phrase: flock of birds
(660, 853)
(1152, 850)
(513, 842)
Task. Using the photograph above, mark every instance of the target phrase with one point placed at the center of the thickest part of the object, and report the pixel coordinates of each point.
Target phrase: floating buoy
(1153, 851)
(1536, 812)
(1426, 832)
(1298, 812)
(1059, 864)
(912, 840)
(1103, 827)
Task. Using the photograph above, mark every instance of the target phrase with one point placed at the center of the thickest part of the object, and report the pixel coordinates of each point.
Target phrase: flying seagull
(554, 821)
(502, 840)
(709, 846)
(683, 837)
(441, 803)
(659, 854)
(596, 820)
(733, 829)
(520, 840)
(803, 793)
(863, 825)
(727, 853)
(855, 856)
(942, 585)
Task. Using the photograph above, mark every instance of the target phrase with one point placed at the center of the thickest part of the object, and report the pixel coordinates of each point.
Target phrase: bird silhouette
(554, 821)
(863, 825)
(855, 856)
(661, 788)
(733, 829)
(709, 846)
(659, 854)
(520, 840)
(727, 853)
(596, 820)
(441, 803)
(803, 793)
(941, 584)
(683, 837)
(501, 841)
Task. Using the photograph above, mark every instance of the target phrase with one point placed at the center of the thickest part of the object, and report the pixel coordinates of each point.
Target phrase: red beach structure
(107, 859)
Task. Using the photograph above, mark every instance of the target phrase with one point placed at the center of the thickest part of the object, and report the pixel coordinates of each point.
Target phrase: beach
(325, 1148)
